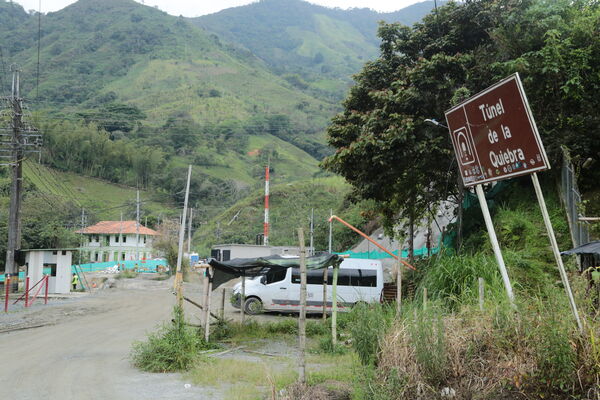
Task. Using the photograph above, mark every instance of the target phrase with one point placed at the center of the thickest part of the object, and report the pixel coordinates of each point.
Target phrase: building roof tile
(112, 227)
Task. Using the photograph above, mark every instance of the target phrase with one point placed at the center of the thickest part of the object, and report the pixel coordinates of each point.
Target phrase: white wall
(35, 261)
(61, 283)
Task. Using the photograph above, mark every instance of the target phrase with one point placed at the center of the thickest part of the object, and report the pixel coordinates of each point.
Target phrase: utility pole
(312, 231)
(330, 248)
(137, 225)
(120, 240)
(179, 274)
(266, 221)
(81, 236)
(16, 140)
(190, 232)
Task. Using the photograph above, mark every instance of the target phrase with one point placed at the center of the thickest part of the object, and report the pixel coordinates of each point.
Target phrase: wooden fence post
(222, 313)
(243, 299)
(207, 311)
(325, 272)
(398, 286)
(302, 318)
(334, 306)
(481, 293)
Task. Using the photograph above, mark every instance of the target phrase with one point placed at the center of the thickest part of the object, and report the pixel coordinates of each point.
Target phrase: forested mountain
(310, 46)
(163, 92)
(131, 95)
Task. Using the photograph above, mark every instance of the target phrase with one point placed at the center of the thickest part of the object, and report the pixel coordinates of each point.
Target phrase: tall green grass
(173, 347)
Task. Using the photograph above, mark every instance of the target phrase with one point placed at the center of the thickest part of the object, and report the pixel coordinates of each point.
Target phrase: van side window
(346, 277)
(277, 276)
(313, 277)
(368, 277)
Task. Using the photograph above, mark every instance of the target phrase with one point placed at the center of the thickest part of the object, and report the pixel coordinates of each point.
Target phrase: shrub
(426, 331)
(531, 351)
(326, 346)
(367, 325)
(554, 353)
(173, 347)
(128, 274)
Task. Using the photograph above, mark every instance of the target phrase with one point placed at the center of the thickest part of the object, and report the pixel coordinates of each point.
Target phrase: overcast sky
(194, 8)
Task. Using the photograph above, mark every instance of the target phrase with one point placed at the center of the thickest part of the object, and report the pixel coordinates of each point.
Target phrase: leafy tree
(182, 131)
(405, 164)
(114, 117)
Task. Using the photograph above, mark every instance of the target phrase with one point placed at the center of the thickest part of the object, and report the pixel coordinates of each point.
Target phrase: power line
(49, 185)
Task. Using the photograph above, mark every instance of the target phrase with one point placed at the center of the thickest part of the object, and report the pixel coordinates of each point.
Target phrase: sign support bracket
(495, 244)
(555, 250)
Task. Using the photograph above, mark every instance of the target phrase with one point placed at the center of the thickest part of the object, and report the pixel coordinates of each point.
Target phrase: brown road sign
(494, 135)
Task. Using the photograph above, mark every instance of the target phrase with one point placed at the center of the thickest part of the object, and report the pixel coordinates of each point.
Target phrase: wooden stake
(481, 293)
(398, 287)
(222, 313)
(424, 298)
(325, 294)
(334, 306)
(243, 299)
(207, 311)
(204, 293)
(302, 318)
(326, 271)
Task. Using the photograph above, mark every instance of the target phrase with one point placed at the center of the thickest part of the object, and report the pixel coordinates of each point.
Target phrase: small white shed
(57, 263)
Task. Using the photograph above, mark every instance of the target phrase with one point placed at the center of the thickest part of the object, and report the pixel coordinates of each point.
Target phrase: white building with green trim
(117, 241)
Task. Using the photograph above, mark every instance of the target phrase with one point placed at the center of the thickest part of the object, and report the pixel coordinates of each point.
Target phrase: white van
(359, 280)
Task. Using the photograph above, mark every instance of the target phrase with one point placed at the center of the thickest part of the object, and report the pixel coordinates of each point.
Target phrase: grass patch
(174, 347)
(255, 380)
(288, 327)
(161, 277)
(251, 379)
(127, 274)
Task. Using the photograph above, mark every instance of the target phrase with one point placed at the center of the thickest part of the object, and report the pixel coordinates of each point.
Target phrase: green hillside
(290, 208)
(313, 47)
(132, 95)
(104, 200)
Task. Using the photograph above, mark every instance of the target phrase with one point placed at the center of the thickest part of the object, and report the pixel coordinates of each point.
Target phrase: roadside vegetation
(126, 274)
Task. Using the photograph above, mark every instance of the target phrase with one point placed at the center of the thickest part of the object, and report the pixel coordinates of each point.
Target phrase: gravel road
(82, 350)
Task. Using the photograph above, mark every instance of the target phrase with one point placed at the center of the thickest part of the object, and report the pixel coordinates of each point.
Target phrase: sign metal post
(555, 250)
(495, 245)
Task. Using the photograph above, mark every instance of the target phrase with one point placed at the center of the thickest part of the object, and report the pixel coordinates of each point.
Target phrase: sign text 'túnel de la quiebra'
(494, 135)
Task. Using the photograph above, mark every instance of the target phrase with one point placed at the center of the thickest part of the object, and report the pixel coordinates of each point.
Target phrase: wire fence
(572, 200)
(150, 266)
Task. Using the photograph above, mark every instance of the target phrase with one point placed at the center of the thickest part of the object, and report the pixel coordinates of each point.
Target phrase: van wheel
(253, 306)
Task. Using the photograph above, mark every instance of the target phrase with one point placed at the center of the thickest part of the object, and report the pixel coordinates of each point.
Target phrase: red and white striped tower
(266, 224)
